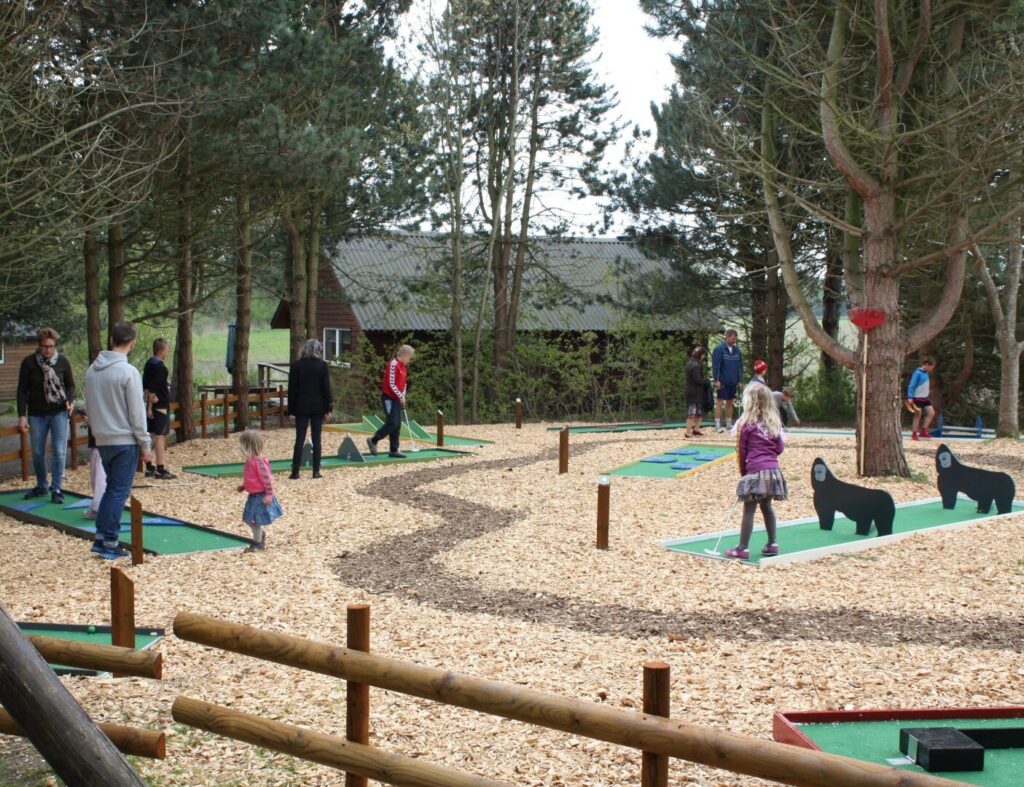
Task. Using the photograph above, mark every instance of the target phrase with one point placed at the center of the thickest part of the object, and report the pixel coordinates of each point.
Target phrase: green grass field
(209, 347)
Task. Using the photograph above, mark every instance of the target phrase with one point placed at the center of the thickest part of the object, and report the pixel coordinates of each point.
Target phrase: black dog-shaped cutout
(984, 486)
(858, 503)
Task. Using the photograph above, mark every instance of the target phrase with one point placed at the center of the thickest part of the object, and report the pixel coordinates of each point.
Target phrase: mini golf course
(332, 462)
(99, 635)
(161, 535)
(636, 426)
(675, 462)
(803, 539)
(371, 423)
(874, 736)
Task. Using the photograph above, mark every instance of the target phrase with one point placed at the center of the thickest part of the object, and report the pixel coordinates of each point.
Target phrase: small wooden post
(440, 428)
(227, 414)
(263, 408)
(654, 767)
(519, 413)
(204, 424)
(563, 451)
(122, 611)
(281, 409)
(25, 453)
(137, 555)
(357, 695)
(73, 438)
(604, 488)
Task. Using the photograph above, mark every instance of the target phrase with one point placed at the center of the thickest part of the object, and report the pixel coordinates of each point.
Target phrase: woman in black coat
(694, 391)
(309, 401)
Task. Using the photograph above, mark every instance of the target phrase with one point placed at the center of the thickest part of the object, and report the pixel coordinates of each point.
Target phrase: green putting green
(803, 539)
(636, 426)
(673, 464)
(371, 423)
(160, 535)
(878, 742)
(99, 635)
(331, 462)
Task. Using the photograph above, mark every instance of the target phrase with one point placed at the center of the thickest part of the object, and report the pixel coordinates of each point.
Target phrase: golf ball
(92, 629)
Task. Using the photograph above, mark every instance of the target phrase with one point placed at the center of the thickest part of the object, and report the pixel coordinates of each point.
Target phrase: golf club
(718, 543)
(412, 439)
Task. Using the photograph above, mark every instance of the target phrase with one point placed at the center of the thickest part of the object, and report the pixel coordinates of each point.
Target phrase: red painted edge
(785, 730)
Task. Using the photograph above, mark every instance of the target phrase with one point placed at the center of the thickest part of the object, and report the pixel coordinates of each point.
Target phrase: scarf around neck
(53, 388)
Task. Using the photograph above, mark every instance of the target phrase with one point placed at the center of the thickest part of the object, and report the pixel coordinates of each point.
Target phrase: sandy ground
(485, 565)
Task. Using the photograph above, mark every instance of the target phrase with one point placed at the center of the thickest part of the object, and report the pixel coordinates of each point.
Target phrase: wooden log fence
(211, 410)
(93, 655)
(128, 740)
(646, 732)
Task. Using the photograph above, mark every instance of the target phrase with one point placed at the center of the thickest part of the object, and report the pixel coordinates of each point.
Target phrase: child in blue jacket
(918, 400)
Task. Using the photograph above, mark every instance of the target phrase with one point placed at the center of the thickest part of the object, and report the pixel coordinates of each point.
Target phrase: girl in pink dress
(261, 507)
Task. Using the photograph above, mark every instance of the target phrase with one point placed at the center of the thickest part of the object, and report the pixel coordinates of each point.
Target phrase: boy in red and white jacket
(393, 384)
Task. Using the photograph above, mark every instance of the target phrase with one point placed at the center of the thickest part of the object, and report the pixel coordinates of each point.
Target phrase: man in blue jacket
(726, 371)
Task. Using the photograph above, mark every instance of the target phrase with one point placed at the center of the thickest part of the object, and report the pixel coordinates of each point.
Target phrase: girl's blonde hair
(759, 409)
(251, 441)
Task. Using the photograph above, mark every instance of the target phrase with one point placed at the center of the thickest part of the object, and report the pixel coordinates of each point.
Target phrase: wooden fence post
(227, 414)
(203, 423)
(26, 452)
(263, 409)
(654, 767)
(440, 428)
(51, 718)
(281, 409)
(519, 413)
(137, 554)
(563, 451)
(604, 487)
(357, 695)
(122, 611)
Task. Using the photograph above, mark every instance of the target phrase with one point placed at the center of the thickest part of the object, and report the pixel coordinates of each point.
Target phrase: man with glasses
(46, 389)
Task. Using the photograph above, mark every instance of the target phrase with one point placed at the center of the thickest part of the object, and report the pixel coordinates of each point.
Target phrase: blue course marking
(682, 451)
(707, 457)
(28, 506)
(683, 466)
(83, 503)
(659, 460)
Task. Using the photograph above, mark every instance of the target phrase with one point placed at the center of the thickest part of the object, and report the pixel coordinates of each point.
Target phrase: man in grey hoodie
(117, 417)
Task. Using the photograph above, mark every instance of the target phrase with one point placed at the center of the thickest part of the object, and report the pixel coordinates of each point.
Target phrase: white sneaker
(718, 428)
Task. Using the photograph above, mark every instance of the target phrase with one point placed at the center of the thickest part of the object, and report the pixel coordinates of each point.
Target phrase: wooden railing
(651, 734)
(215, 415)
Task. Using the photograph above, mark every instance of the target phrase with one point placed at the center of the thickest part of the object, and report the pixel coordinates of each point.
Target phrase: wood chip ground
(486, 565)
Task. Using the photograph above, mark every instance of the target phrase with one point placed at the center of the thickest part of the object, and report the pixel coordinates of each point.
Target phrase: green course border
(846, 540)
(629, 426)
(102, 635)
(652, 470)
(85, 529)
(371, 423)
(230, 469)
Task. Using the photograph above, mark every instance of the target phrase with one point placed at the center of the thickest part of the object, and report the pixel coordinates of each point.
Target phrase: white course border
(834, 549)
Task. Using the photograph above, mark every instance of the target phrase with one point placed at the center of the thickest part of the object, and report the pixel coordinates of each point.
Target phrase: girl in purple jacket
(759, 443)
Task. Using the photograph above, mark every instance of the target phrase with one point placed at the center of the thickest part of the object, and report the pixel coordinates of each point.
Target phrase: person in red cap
(760, 367)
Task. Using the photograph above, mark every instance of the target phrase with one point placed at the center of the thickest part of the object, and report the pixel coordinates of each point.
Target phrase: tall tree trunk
(313, 266)
(90, 256)
(183, 370)
(456, 311)
(758, 279)
(297, 280)
(243, 302)
(832, 283)
(117, 275)
(777, 308)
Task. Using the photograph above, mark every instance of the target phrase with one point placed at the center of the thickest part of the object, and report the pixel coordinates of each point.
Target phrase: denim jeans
(392, 427)
(119, 463)
(57, 425)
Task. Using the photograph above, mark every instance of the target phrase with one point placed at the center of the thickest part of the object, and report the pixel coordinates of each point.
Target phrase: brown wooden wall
(331, 309)
(13, 356)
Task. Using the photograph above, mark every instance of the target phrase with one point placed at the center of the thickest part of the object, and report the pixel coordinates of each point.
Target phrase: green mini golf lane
(161, 536)
(803, 539)
(638, 426)
(371, 423)
(331, 462)
(655, 470)
(100, 635)
(879, 741)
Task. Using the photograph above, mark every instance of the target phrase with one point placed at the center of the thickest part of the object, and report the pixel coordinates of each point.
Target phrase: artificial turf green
(163, 539)
(654, 470)
(878, 741)
(371, 423)
(801, 536)
(329, 462)
(638, 426)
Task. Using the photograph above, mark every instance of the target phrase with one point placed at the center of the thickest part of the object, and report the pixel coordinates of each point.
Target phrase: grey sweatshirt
(113, 394)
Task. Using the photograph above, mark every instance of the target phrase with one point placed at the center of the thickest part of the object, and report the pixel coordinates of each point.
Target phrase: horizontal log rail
(129, 740)
(730, 751)
(93, 655)
(325, 749)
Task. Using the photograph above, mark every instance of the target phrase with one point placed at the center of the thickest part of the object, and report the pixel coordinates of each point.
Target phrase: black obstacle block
(864, 506)
(997, 737)
(307, 453)
(348, 450)
(938, 749)
(983, 486)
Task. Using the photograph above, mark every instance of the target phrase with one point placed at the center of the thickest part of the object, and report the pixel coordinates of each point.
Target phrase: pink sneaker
(770, 550)
(925, 436)
(913, 436)
(737, 553)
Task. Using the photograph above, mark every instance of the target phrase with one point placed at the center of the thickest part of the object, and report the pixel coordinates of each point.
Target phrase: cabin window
(336, 340)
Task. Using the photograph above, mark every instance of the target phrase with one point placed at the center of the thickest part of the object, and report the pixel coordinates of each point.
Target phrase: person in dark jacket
(726, 370)
(46, 389)
(696, 383)
(157, 390)
(310, 401)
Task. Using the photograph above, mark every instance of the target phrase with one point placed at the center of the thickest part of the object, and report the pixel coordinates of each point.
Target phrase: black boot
(295, 472)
